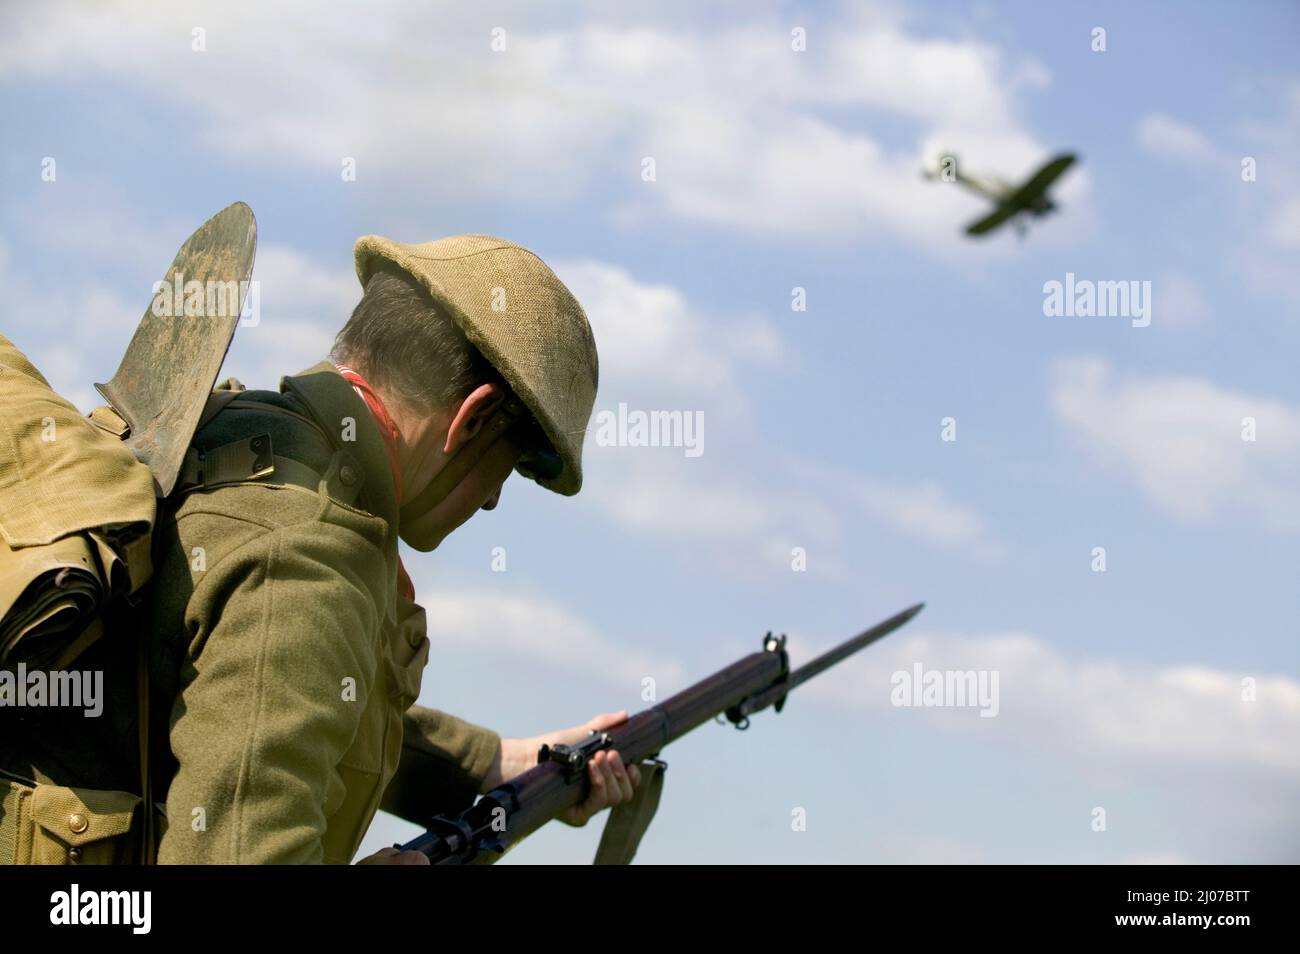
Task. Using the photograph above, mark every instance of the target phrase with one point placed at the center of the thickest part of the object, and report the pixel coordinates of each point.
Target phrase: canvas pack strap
(254, 458)
(148, 834)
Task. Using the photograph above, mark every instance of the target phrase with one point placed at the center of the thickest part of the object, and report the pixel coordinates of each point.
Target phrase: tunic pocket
(53, 825)
(408, 654)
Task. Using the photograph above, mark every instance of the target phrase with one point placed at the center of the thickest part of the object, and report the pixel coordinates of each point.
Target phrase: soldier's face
(480, 489)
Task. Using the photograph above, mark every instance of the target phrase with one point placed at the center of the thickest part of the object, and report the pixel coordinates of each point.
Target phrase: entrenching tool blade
(172, 363)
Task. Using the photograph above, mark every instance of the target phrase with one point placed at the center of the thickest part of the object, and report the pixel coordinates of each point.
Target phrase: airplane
(1013, 202)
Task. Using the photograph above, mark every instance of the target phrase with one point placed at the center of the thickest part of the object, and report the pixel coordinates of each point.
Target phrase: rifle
(515, 809)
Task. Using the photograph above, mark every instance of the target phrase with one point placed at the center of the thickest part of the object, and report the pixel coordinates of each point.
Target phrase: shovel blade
(172, 363)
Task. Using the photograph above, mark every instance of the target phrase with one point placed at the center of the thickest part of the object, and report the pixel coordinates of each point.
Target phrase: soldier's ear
(472, 414)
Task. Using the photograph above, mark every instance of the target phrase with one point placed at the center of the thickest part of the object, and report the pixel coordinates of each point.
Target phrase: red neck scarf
(388, 431)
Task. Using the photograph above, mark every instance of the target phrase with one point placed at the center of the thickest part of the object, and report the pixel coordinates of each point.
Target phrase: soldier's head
(486, 364)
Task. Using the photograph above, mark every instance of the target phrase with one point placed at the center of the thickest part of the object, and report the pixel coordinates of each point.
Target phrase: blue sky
(776, 170)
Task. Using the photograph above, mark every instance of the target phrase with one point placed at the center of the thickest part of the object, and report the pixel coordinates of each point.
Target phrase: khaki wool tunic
(289, 663)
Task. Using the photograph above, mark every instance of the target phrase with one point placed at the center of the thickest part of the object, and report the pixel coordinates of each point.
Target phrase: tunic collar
(332, 401)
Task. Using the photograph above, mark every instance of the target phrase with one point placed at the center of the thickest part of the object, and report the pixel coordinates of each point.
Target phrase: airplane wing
(990, 222)
(1041, 180)
(1025, 196)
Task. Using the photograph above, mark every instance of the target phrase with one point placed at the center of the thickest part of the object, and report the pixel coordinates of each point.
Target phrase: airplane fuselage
(1000, 191)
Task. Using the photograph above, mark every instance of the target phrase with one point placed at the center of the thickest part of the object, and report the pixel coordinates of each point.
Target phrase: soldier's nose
(491, 502)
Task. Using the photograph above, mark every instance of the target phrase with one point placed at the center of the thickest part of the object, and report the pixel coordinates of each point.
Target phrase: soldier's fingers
(620, 777)
(596, 769)
(610, 793)
(634, 773)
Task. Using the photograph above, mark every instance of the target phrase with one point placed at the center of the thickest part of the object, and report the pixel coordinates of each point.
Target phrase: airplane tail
(940, 165)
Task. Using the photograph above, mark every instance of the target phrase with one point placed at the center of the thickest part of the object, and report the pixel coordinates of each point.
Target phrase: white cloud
(1180, 437)
(649, 492)
(89, 221)
(747, 134)
(1268, 203)
(295, 284)
(717, 516)
(1274, 146)
(1170, 715)
(925, 512)
(1164, 136)
(1271, 275)
(656, 347)
(45, 317)
(1184, 714)
(519, 627)
(1179, 301)
(1285, 227)
(657, 351)
(748, 520)
(302, 306)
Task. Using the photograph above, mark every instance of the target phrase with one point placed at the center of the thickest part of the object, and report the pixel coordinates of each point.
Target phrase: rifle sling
(628, 822)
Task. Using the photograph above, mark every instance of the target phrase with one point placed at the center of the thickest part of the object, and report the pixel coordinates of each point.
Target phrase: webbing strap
(149, 847)
(254, 459)
(217, 402)
(244, 459)
(628, 822)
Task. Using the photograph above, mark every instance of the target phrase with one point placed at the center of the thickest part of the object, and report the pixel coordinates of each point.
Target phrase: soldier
(288, 648)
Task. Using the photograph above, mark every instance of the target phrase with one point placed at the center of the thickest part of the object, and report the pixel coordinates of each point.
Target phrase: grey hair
(401, 340)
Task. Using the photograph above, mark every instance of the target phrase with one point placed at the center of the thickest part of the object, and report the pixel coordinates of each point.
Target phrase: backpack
(77, 511)
(78, 504)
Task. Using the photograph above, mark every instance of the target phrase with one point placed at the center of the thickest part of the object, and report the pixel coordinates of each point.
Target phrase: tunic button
(74, 854)
(348, 475)
(77, 822)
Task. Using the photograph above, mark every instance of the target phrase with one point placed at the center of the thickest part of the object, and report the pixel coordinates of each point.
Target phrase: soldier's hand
(391, 856)
(612, 782)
